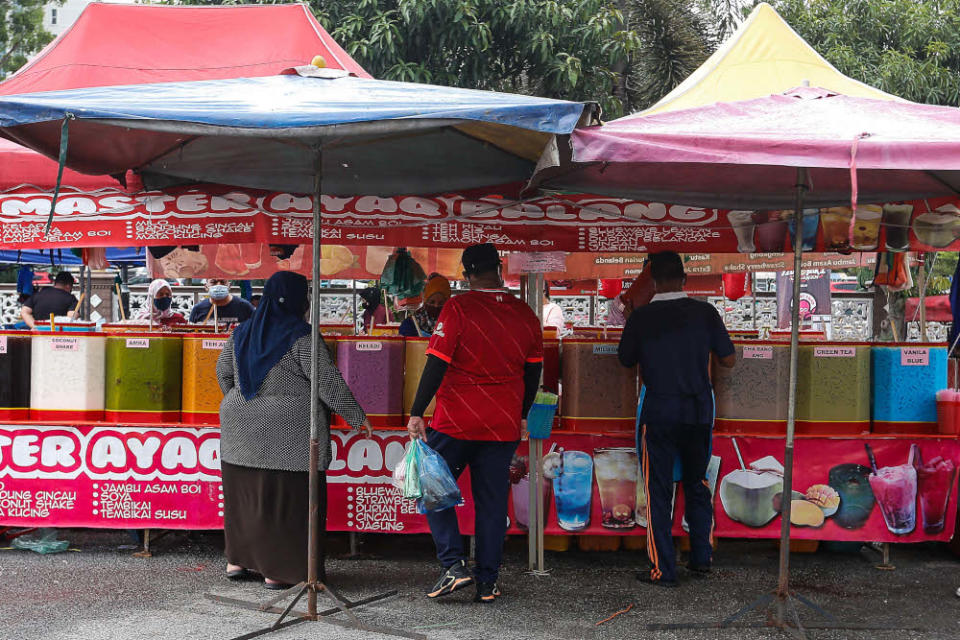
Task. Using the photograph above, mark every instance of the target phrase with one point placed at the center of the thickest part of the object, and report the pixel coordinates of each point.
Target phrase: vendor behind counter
(421, 322)
(230, 309)
(158, 308)
(57, 300)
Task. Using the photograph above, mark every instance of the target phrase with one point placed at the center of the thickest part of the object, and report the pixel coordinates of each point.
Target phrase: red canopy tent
(938, 309)
(20, 167)
(113, 44)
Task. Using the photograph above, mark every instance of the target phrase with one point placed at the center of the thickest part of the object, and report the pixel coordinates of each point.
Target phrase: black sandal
(241, 574)
(276, 586)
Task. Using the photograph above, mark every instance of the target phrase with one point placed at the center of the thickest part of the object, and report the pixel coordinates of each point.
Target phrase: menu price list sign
(110, 477)
(360, 491)
(126, 477)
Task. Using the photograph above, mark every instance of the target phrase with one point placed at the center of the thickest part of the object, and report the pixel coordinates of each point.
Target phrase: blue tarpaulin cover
(66, 257)
(377, 137)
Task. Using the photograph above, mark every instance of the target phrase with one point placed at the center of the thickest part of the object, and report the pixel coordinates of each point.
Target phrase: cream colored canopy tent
(765, 56)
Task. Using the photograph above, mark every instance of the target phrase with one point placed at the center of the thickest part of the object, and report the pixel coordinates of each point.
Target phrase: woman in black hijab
(264, 373)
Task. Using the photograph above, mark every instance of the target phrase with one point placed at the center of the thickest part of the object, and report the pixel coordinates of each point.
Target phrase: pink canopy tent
(745, 155)
(805, 147)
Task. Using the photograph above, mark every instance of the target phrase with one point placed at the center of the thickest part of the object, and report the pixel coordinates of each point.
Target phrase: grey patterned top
(272, 431)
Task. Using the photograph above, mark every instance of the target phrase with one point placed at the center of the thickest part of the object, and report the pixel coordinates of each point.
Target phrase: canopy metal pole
(83, 294)
(353, 312)
(313, 564)
(532, 288)
(783, 580)
(922, 285)
(90, 304)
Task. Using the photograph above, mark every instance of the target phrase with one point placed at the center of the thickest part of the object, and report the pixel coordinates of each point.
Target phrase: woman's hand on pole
(367, 428)
(417, 428)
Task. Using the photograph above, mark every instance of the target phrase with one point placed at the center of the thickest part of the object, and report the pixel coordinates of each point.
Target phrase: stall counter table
(167, 476)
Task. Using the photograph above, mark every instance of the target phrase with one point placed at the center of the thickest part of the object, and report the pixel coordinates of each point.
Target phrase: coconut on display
(748, 496)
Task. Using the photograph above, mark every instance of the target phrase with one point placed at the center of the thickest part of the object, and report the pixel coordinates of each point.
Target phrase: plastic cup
(572, 489)
(936, 480)
(896, 220)
(744, 226)
(616, 469)
(866, 228)
(936, 229)
(540, 420)
(895, 489)
(836, 228)
(947, 416)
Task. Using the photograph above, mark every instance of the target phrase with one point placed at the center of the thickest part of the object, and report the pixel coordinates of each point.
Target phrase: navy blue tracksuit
(489, 463)
(671, 339)
(659, 445)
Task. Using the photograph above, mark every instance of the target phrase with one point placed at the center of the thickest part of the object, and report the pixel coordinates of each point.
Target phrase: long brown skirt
(265, 520)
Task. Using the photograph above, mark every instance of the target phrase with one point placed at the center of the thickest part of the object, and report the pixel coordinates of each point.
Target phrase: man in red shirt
(483, 364)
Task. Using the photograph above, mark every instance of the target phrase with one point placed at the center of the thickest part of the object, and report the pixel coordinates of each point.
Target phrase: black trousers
(489, 464)
(659, 445)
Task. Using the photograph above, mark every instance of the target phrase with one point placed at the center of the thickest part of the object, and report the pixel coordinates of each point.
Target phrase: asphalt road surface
(99, 591)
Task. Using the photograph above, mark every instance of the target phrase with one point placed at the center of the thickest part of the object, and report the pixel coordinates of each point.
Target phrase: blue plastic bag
(406, 476)
(438, 487)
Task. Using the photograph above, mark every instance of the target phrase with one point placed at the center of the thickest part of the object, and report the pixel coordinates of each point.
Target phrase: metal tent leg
(313, 586)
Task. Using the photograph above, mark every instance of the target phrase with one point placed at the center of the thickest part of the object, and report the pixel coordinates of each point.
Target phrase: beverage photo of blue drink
(811, 221)
(572, 474)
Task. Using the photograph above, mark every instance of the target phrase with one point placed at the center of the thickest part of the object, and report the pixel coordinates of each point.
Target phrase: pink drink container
(895, 489)
(936, 480)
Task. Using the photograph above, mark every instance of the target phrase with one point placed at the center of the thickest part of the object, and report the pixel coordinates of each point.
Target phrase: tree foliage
(910, 48)
(674, 39)
(624, 54)
(21, 32)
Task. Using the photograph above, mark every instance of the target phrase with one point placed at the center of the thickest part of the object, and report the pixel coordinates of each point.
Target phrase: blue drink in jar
(572, 490)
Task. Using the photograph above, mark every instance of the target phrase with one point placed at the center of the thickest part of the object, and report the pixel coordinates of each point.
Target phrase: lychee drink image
(616, 471)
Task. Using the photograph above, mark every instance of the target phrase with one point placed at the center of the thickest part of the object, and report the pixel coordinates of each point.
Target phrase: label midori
(138, 343)
(604, 349)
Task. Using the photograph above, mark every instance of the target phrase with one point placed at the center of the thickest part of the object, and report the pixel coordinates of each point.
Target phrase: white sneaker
(958, 592)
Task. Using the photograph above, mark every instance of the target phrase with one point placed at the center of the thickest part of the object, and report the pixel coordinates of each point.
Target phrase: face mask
(162, 304)
(219, 291)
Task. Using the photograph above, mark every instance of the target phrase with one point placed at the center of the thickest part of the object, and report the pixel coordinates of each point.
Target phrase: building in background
(58, 17)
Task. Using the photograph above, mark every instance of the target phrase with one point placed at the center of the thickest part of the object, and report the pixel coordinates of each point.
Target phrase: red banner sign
(217, 214)
(110, 477)
(255, 261)
(131, 477)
